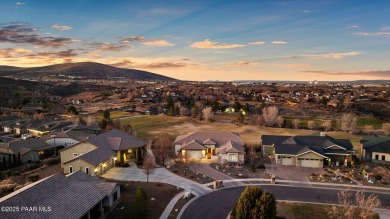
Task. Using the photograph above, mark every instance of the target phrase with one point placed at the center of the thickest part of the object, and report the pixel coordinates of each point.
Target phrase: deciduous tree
(295, 123)
(368, 129)
(311, 124)
(280, 121)
(326, 125)
(208, 114)
(164, 144)
(148, 166)
(270, 114)
(386, 128)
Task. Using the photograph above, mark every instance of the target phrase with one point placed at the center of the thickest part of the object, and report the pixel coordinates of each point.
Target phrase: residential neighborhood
(268, 109)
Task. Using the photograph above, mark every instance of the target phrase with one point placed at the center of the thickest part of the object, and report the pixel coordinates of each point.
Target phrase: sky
(324, 40)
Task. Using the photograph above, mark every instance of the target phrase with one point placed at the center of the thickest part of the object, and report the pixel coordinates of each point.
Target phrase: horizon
(205, 40)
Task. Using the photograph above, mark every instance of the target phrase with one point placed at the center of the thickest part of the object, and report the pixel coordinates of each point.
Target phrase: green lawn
(377, 123)
(147, 127)
(114, 115)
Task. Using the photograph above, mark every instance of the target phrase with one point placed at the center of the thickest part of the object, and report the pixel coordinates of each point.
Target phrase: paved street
(218, 204)
(163, 175)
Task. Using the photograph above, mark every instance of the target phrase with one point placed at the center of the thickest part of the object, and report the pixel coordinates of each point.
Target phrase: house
(376, 149)
(96, 155)
(72, 136)
(77, 195)
(211, 145)
(30, 150)
(307, 151)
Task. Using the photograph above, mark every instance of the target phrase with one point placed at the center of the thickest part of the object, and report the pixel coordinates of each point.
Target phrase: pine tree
(141, 203)
(255, 203)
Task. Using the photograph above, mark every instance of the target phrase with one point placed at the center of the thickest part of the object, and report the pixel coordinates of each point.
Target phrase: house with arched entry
(226, 146)
(98, 154)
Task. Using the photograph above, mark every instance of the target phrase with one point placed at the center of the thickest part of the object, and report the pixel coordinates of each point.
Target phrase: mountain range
(87, 70)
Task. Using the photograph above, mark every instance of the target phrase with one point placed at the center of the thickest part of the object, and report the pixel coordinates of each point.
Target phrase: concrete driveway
(163, 175)
(291, 172)
(203, 166)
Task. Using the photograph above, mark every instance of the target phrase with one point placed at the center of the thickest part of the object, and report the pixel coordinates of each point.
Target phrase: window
(87, 170)
(383, 157)
(70, 169)
(376, 157)
(115, 196)
(233, 157)
(75, 154)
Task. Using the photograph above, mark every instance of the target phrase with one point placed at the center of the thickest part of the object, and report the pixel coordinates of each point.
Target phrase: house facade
(376, 149)
(307, 151)
(225, 146)
(98, 154)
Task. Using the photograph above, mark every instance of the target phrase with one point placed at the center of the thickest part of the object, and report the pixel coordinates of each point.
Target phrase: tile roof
(223, 140)
(377, 144)
(116, 140)
(96, 156)
(67, 196)
(302, 144)
(193, 145)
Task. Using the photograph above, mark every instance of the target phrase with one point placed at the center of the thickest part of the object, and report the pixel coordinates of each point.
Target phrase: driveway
(291, 172)
(133, 173)
(203, 166)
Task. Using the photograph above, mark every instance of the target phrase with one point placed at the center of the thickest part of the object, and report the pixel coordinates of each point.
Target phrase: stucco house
(76, 195)
(98, 154)
(30, 150)
(211, 145)
(72, 136)
(376, 149)
(307, 151)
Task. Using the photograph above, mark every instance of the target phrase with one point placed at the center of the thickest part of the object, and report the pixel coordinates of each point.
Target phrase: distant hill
(89, 70)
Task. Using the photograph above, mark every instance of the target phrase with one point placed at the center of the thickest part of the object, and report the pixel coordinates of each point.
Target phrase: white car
(25, 136)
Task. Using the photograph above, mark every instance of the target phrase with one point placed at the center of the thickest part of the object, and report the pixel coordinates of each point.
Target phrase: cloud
(145, 63)
(20, 3)
(60, 54)
(23, 33)
(257, 43)
(279, 42)
(375, 73)
(385, 28)
(161, 43)
(340, 55)
(352, 27)
(58, 27)
(306, 11)
(237, 64)
(297, 65)
(12, 52)
(207, 44)
(379, 33)
(163, 65)
(107, 46)
(131, 39)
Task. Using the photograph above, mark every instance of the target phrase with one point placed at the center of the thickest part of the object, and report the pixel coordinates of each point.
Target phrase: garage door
(310, 162)
(286, 161)
(195, 154)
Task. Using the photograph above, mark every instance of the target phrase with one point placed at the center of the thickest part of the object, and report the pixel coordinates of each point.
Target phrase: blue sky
(204, 40)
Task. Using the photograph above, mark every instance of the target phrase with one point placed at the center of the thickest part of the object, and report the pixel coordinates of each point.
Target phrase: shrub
(125, 165)
(378, 176)
(253, 169)
(51, 161)
(33, 178)
(15, 173)
(260, 166)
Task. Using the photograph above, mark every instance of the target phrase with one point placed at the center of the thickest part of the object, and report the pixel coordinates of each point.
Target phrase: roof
(223, 140)
(377, 144)
(193, 145)
(301, 144)
(116, 140)
(24, 146)
(96, 156)
(58, 192)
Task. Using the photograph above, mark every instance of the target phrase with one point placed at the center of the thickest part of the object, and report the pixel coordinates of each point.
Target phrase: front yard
(178, 169)
(159, 195)
(246, 171)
